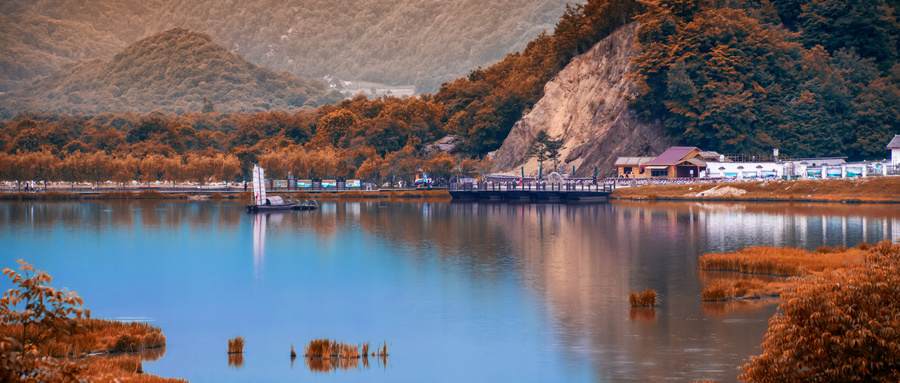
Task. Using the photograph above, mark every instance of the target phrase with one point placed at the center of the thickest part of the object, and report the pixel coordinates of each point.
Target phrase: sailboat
(263, 203)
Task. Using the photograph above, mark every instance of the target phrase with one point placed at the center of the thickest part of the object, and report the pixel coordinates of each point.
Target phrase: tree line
(381, 140)
(811, 77)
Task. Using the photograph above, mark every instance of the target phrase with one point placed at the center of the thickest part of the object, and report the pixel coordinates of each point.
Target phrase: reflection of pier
(531, 191)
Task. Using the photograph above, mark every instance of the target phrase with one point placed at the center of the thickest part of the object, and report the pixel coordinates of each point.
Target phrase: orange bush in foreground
(842, 325)
(35, 327)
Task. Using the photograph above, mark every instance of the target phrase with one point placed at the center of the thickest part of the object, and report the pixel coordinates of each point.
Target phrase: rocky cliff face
(586, 105)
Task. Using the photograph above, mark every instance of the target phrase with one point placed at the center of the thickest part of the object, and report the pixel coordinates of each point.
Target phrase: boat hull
(287, 207)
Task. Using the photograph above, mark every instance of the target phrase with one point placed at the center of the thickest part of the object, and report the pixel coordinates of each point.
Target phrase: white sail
(259, 186)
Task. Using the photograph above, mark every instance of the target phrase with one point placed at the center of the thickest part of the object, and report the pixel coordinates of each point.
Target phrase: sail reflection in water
(533, 292)
(259, 242)
(260, 224)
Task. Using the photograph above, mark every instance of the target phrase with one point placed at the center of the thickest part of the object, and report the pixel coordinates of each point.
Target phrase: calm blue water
(461, 292)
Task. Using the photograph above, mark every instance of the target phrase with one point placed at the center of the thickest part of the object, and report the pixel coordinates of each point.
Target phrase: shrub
(841, 325)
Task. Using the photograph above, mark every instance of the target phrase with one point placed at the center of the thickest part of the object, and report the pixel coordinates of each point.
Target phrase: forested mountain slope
(420, 42)
(173, 71)
(738, 77)
(585, 106)
(811, 77)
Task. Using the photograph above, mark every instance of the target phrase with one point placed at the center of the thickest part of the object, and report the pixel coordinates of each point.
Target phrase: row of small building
(691, 162)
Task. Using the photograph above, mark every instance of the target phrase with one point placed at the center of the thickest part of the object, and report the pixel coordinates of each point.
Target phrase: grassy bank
(862, 190)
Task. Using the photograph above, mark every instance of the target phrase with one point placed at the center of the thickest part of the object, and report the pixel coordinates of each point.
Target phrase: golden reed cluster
(647, 298)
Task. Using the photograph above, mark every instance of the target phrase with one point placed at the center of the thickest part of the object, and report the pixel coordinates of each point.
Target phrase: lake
(470, 292)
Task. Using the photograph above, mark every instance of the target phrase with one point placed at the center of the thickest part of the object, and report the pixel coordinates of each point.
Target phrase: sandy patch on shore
(719, 191)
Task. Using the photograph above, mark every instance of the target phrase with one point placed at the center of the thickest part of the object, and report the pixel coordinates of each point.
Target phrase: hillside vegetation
(173, 71)
(416, 42)
(735, 77)
(811, 77)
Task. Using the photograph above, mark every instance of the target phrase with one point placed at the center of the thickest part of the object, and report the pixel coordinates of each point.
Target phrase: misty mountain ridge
(415, 42)
(171, 71)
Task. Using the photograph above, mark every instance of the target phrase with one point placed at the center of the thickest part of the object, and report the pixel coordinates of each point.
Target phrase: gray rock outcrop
(585, 104)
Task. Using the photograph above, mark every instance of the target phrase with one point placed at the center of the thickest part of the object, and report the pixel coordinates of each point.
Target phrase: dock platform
(531, 192)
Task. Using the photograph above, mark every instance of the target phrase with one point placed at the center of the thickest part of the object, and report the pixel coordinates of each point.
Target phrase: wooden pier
(531, 192)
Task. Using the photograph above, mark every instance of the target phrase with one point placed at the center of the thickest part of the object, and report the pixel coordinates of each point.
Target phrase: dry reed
(236, 345)
(92, 336)
(324, 355)
(647, 298)
(383, 351)
(722, 290)
(784, 261)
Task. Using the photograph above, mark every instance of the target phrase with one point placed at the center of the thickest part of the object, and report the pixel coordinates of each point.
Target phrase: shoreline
(850, 191)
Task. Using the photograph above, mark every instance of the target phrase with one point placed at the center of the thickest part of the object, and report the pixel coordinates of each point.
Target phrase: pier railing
(605, 187)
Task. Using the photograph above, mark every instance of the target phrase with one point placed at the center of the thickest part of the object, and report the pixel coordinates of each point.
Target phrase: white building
(744, 170)
(894, 147)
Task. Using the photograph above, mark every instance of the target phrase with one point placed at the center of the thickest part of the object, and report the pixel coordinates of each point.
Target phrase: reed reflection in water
(511, 292)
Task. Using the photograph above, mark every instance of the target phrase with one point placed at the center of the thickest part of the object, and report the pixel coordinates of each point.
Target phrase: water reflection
(152, 354)
(723, 309)
(235, 360)
(259, 242)
(514, 292)
(642, 314)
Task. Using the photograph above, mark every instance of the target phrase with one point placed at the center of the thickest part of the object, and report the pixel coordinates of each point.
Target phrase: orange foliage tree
(843, 325)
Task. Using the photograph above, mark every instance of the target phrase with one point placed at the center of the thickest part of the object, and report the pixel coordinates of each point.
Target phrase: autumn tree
(442, 165)
(47, 313)
(332, 128)
(372, 169)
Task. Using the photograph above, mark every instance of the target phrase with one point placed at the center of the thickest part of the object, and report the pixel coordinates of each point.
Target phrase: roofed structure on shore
(680, 162)
(631, 167)
(894, 147)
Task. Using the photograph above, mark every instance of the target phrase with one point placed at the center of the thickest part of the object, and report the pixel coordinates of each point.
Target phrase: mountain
(420, 42)
(584, 105)
(173, 71)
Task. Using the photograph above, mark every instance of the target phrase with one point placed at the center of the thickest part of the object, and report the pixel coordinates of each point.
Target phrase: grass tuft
(647, 298)
(236, 345)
